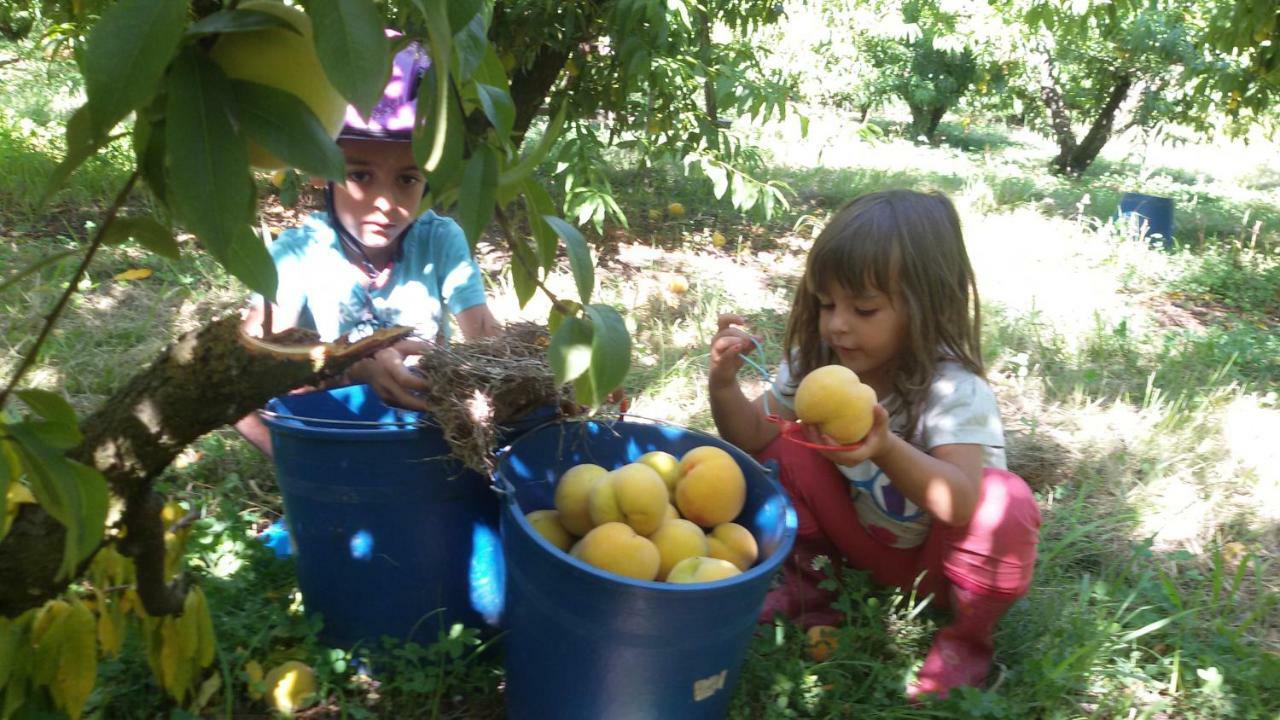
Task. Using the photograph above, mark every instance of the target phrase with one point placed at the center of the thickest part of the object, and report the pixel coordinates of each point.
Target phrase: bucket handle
(354, 423)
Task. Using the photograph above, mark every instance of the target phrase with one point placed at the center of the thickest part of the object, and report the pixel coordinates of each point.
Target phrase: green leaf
(149, 153)
(440, 38)
(524, 266)
(92, 511)
(353, 49)
(570, 350)
(51, 480)
(579, 256)
(209, 170)
(284, 125)
(538, 203)
(81, 145)
(125, 56)
(610, 351)
(10, 470)
(491, 71)
(470, 44)
(479, 186)
(8, 634)
(240, 20)
(534, 158)
(49, 405)
(498, 107)
(462, 12)
(146, 231)
(249, 260)
(447, 172)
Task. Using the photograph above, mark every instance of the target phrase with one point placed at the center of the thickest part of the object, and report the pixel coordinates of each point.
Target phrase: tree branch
(207, 379)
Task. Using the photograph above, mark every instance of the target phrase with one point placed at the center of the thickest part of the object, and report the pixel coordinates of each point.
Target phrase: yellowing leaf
(77, 662)
(175, 657)
(134, 274)
(253, 671)
(47, 636)
(197, 608)
(111, 630)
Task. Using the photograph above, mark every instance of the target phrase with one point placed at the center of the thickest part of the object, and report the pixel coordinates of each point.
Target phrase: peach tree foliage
(147, 60)
(1111, 66)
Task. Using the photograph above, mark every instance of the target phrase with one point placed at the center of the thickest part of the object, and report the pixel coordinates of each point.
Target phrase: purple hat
(392, 118)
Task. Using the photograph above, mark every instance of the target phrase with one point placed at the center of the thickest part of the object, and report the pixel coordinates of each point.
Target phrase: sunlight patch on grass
(1250, 432)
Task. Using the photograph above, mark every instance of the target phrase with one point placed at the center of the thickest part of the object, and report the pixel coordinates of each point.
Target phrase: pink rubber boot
(799, 598)
(962, 652)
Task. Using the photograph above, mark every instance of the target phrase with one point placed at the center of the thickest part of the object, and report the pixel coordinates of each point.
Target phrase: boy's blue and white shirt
(960, 408)
(321, 290)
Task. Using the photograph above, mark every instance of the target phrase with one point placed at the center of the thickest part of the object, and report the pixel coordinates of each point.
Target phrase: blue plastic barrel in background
(393, 535)
(582, 643)
(1149, 216)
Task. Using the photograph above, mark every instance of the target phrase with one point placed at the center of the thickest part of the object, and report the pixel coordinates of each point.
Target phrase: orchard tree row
(1080, 71)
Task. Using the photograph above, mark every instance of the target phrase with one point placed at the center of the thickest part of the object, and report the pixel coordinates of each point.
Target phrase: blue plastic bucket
(393, 535)
(584, 643)
(1149, 217)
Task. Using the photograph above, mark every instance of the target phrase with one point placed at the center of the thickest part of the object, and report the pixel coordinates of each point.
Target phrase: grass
(1138, 388)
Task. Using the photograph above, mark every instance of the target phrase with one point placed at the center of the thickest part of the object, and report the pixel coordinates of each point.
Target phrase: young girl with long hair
(888, 292)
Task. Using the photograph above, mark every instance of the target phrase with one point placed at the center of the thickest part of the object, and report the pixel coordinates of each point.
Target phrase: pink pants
(994, 554)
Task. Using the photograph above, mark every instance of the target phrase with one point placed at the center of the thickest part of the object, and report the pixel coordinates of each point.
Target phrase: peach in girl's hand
(833, 399)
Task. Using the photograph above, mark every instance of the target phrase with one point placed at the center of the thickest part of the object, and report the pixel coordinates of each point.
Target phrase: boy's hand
(727, 347)
(386, 373)
(876, 443)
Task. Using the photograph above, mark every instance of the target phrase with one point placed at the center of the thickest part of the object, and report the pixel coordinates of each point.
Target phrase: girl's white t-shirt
(960, 408)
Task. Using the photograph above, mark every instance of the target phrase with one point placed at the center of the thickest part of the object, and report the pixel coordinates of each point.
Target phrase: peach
(712, 489)
(616, 548)
(833, 399)
(548, 525)
(572, 494)
(677, 540)
(702, 569)
(733, 542)
(633, 494)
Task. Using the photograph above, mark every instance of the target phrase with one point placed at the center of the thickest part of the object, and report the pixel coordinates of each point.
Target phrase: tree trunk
(935, 117)
(531, 83)
(1087, 151)
(208, 378)
(1059, 118)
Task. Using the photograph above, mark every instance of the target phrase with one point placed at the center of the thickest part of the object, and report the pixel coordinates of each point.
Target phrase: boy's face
(382, 191)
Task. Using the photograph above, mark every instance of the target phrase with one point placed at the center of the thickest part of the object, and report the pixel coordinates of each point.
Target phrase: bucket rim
(277, 417)
(507, 492)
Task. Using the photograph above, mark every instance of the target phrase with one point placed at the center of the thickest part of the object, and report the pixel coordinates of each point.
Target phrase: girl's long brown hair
(895, 240)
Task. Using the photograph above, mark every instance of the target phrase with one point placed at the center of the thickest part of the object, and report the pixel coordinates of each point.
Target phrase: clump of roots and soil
(476, 387)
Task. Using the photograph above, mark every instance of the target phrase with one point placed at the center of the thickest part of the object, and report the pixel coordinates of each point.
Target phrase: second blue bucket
(394, 536)
(1149, 216)
(585, 644)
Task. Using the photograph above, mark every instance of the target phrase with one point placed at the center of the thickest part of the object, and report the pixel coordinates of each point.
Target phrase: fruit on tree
(616, 548)
(284, 60)
(702, 569)
(833, 399)
(572, 493)
(676, 540)
(733, 542)
(634, 494)
(712, 488)
(548, 525)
